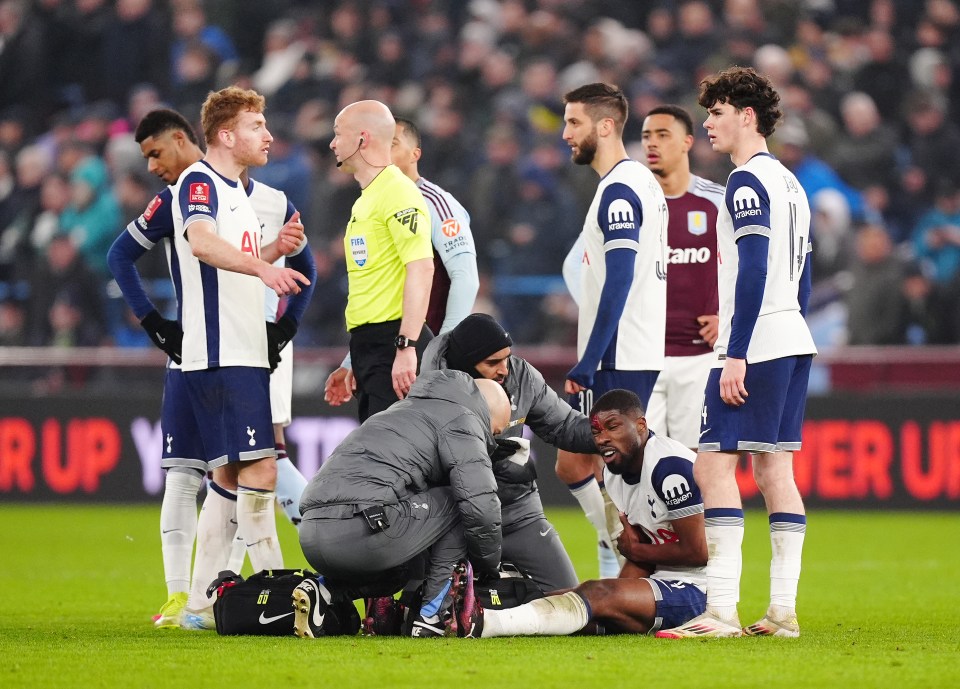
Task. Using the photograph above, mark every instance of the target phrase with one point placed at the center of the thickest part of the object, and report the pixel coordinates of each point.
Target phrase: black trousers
(372, 353)
(425, 540)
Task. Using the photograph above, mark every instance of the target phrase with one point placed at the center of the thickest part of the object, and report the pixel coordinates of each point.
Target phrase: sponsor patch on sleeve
(674, 483)
(199, 192)
(408, 217)
(450, 227)
(152, 208)
(620, 213)
(747, 201)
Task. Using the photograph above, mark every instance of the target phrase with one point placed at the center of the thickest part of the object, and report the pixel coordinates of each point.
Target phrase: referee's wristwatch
(402, 342)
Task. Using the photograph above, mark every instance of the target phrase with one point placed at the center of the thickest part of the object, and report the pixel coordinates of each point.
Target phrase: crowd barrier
(869, 446)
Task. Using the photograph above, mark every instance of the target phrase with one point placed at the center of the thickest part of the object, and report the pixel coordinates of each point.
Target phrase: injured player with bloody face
(650, 479)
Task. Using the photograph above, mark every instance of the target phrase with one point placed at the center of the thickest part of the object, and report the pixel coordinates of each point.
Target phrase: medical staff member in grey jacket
(479, 346)
(414, 478)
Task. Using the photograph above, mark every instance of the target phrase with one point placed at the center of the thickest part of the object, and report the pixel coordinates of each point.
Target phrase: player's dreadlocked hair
(222, 108)
(742, 88)
(619, 400)
(162, 120)
(601, 100)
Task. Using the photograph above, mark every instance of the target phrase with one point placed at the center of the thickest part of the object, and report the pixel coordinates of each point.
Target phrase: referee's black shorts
(372, 353)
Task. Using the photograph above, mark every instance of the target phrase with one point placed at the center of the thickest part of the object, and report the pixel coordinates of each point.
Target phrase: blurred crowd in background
(871, 91)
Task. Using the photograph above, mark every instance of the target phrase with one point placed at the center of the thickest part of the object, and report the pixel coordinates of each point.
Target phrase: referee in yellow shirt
(389, 265)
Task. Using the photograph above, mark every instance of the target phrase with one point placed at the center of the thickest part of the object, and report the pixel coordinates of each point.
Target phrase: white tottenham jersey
(273, 209)
(628, 212)
(222, 311)
(665, 491)
(764, 197)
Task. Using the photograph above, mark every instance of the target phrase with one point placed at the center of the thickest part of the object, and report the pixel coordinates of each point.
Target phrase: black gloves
(506, 448)
(166, 334)
(512, 462)
(278, 335)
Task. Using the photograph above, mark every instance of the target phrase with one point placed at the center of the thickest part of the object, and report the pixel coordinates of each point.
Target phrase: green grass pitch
(879, 607)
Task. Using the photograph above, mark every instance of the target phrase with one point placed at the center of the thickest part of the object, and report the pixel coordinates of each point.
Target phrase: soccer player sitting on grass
(650, 479)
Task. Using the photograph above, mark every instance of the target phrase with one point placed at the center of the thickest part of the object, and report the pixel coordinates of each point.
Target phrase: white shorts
(281, 388)
(677, 398)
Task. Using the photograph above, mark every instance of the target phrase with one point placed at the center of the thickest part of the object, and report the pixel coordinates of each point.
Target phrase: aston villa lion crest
(697, 222)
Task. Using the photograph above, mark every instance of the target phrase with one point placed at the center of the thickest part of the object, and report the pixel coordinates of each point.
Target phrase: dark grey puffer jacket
(535, 404)
(439, 435)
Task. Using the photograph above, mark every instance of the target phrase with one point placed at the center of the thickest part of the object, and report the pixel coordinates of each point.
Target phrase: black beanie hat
(473, 340)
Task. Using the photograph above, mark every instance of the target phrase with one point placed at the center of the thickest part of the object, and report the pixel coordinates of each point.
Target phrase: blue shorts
(771, 419)
(231, 406)
(182, 446)
(677, 603)
(639, 382)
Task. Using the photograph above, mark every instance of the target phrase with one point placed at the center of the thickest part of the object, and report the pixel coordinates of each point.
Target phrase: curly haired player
(757, 390)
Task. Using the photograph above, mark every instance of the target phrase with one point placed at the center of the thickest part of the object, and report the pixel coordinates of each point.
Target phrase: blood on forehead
(603, 418)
